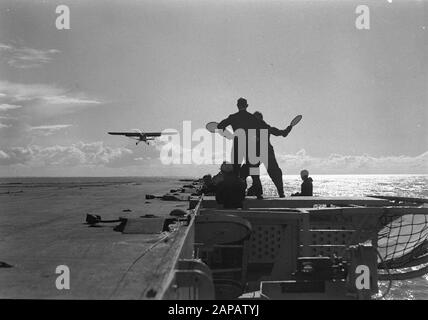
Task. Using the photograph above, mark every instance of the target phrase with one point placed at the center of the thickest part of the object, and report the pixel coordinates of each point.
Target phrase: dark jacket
(306, 187)
(231, 192)
(245, 120)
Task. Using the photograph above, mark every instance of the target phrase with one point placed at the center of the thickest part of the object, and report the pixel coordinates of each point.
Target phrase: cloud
(3, 155)
(9, 120)
(43, 99)
(49, 94)
(47, 130)
(79, 154)
(5, 107)
(24, 57)
(359, 164)
(81, 157)
(69, 100)
(8, 117)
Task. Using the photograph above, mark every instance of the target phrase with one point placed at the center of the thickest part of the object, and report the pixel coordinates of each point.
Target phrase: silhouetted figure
(306, 187)
(240, 120)
(230, 192)
(208, 187)
(219, 177)
(245, 120)
(273, 169)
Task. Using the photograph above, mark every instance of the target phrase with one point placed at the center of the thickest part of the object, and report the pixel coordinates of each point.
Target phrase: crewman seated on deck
(306, 187)
(208, 187)
(230, 192)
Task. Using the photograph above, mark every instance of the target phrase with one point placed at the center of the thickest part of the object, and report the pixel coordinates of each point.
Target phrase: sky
(154, 64)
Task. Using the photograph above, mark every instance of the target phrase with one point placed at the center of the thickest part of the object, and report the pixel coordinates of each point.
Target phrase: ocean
(324, 185)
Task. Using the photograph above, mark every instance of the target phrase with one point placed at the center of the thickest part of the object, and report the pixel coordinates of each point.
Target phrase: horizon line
(197, 177)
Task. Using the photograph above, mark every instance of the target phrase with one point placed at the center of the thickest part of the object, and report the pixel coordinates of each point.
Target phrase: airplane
(141, 136)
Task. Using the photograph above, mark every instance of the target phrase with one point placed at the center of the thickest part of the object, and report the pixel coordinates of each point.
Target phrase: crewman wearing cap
(230, 191)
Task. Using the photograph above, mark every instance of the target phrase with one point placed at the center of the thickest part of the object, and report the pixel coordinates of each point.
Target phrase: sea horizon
(197, 176)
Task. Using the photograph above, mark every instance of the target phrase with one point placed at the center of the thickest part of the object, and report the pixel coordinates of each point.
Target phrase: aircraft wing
(139, 134)
(158, 134)
(126, 134)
